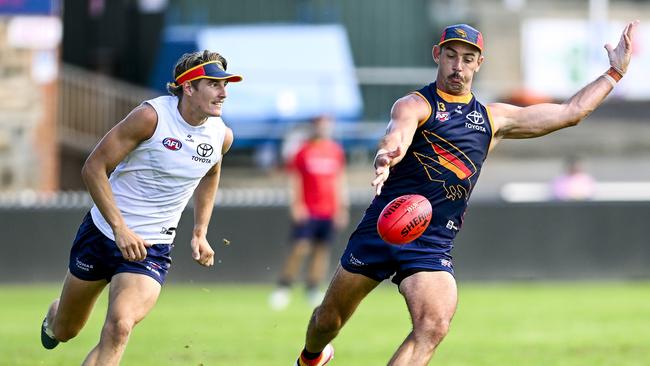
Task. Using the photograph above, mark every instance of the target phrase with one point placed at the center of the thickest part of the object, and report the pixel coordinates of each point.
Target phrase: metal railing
(90, 104)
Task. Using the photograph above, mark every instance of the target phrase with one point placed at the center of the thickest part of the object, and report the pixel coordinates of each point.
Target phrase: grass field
(496, 324)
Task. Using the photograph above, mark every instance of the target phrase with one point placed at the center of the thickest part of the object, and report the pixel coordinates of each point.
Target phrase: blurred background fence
(526, 242)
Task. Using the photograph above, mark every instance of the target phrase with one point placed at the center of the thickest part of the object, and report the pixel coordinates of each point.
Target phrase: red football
(404, 219)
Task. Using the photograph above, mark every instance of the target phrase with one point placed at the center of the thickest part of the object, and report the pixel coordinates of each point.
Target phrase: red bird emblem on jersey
(446, 156)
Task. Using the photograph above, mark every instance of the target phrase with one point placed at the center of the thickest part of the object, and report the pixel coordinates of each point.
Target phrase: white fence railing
(226, 197)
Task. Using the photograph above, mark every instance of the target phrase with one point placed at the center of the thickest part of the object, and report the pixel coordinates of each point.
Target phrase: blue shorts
(95, 257)
(319, 230)
(369, 255)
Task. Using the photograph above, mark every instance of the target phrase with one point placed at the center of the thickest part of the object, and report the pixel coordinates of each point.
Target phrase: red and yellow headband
(207, 70)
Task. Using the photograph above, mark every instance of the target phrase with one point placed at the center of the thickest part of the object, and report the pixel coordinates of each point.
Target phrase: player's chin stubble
(455, 82)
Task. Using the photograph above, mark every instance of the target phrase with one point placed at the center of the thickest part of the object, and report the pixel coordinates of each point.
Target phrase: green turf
(496, 324)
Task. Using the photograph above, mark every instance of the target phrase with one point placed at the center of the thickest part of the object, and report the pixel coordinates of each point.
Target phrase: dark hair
(188, 61)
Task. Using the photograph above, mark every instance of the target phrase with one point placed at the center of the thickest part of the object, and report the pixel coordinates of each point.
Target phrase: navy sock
(309, 355)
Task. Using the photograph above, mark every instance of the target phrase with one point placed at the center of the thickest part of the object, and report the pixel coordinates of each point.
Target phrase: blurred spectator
(319, 206)
(574, 184)
(265, 157)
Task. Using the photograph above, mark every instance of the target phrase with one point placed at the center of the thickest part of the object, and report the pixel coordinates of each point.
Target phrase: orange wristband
(617, 76)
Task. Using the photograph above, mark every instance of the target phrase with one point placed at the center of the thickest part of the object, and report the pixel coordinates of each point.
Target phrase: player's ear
(479, 61)
(187, 88)
(435, 52)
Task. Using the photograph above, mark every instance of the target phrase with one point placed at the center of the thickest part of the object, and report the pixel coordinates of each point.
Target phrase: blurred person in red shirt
(319, 207)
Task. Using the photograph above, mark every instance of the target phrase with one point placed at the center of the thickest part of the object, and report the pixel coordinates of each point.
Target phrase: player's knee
(118, 330)
(432, 329)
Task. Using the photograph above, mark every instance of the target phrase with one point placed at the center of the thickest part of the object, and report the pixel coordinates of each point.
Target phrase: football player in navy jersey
(435, 145)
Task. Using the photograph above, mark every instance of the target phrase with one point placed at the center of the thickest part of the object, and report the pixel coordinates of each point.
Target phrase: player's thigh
(430, 295)
(77, 300)
(345, 292)
(131, 296)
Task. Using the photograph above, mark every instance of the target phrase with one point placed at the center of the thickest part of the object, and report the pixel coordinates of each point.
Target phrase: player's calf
(325, 322)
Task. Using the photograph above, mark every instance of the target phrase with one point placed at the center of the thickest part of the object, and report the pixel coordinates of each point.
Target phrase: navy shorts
(95, 257)
(369, 255)
(320, 230)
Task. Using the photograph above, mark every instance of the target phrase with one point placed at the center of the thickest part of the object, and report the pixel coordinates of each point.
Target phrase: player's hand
(620, 56)
(299, 213)
(132, 246)
(382, 167)
(202, 251)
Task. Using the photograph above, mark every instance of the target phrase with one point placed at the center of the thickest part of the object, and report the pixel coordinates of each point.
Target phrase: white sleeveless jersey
(153, 184)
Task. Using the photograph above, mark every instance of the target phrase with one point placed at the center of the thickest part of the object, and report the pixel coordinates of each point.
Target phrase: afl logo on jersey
(442, 116)
(172, 144)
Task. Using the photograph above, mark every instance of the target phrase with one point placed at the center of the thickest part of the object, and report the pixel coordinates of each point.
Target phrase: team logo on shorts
(354, 261)
(83, 266)
(172, 144)
(153, 267)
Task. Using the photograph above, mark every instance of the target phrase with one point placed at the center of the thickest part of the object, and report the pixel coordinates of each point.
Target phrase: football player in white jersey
(140, 176)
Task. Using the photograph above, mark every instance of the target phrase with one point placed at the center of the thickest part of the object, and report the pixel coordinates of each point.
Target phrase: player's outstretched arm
(540, 119)
(204, 196)
(405, 116)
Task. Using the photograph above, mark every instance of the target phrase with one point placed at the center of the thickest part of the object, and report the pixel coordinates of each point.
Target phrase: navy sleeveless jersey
(443, 162)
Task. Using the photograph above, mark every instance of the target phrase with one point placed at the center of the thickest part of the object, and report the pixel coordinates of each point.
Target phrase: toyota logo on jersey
(204, 150)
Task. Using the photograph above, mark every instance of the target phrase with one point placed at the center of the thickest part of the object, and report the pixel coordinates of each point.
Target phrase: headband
(208, 70)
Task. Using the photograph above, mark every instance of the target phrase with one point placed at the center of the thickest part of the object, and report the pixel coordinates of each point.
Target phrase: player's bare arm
(204, 197)
(342, 217)
(538, 120)
(406, 114)
(298, 208)
(138, 126)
